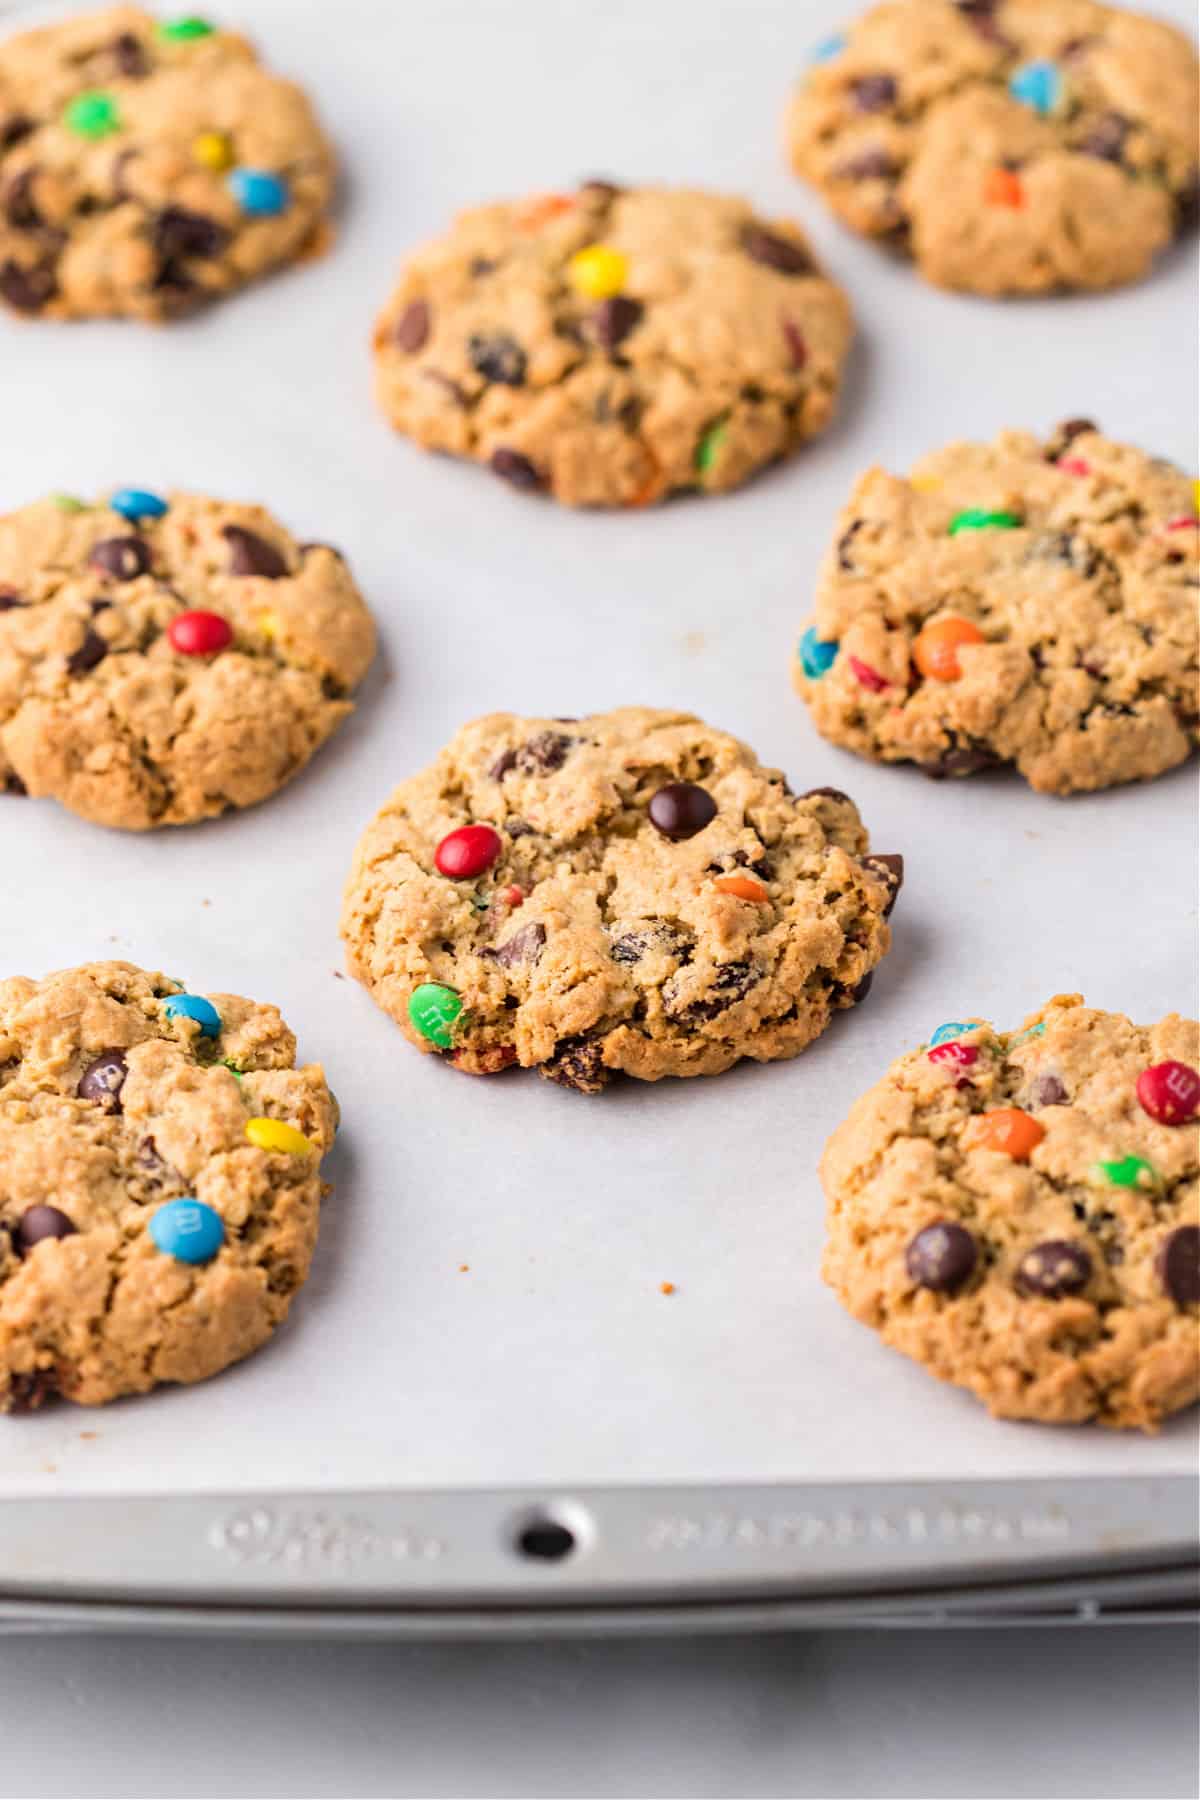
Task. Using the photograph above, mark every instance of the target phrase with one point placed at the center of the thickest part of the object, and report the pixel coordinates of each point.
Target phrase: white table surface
(1089, 1712)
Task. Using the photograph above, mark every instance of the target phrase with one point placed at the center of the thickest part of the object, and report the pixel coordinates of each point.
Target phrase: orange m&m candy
(935, 651)
(1002, 188)
(1007, 1129)
(742, 887)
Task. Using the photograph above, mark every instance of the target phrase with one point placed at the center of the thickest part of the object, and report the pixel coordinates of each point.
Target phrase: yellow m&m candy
(212, 150)
(273, 1134)
(598, 271)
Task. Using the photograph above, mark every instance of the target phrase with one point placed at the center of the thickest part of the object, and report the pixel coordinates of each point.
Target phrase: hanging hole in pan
(547, 1535)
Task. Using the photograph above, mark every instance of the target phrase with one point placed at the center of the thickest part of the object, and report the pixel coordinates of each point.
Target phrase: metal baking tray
(737, 1450)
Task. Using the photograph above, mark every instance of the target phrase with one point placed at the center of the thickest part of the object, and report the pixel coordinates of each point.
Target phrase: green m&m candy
(435, 1010)
(1129, 1172)
(977, 519)
(93, 114)
(710, 443)
(67, 503)
(181, 31)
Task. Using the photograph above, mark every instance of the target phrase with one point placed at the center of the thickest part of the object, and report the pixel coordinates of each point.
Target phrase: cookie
(165, 660)
(613, 346)
(1020, 1214)
(159, 1181)
(149, 166)
(631, 891)
(1008, 146)
(1021, 602)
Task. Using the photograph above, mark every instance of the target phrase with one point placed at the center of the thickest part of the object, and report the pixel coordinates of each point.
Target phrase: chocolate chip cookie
(148, 166)
(1026, 602)
(1020, 1213)
(612, 346)
(1009, 146)
(162, 660)
(159, 1181)
(631, 891)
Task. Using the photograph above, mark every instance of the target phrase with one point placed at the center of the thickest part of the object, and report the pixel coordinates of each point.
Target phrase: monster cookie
(159, 1181)
(1015, 602)
(146, 167)
(612, 346)
(630, 891)
(1020, 1214)
(165, 659)
(1010, 146)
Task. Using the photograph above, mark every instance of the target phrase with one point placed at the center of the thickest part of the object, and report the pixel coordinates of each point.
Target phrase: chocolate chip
(32, 1389)
(873, 93)
(497, 358)
(795, 341)
(147, 1155)
(19, 208)
(1178, 1265)
(129, 57)
(511, 466)
(612, 321)
(103, 1080)
(599, 189)
(891, 868)
(1070, 429)
(577, 1063)
(91, 651)
(14, 785)
(412, 327)
(1067, 547)
(632, 946)
(941, 1257)
(27, 289)
(124, 558)
(962, 761)
(730, 982)
(251, 555)
(1047, 1090)
(859, 993)
(524, 946)
(9, 600)
(542, 754)
(506, 761)
(1107, 138)
(481, 265)
(1053, 1269)
(776, 252)
(828, 793)
(979, 14)
(37, 1223)
(14, 128)
(179, 233)
(844, 543)
(681, 809)
(868, 165)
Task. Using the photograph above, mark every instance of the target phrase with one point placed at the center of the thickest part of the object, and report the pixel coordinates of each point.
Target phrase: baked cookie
(1019, 602)
(614, 345)
(630, 891)
(159, 1181)
(164, 660)
(147, 166)
(1009, 146)
(1020, 1214)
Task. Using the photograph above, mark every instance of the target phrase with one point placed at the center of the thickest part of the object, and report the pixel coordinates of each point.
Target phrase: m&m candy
(1003, 188)
(1038, 84)
(936, 648)
(137, 503)
(185, 30)
(1129, 1172)
(195, 1007)
(951, 1029)
(468, 851)
(710, 443)
(212, 150)
(598, 271)
(92, 114)
(434, 1011)
(827, 49)
(1169, 1092)
(199, 633)
(977, 518)
(1006, 1129)
(817, 655)
(868, 677)
(187, 1230)
(276, 1134)
(258, 192)
(961, 1055)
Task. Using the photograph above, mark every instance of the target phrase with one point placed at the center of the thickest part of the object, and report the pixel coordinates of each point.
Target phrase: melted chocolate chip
(39, 1223)
(890, 868)
(1067, 547)
(14, 785)
(942, 1257)
(1047, 1090)
(14, 128)
(497, 358)
(859, 993)
(251, 555)
(19, 207)
(868, 165)
(412, 327)
(102, 1080)
(844, 543)
(511, 466)
(524, 946)
(597, 188)
(9, 600)
(577, 1063)
(129, 57)
(730, 981)
(1053, 1269)
(1070, 429)
(962, 761)
(632, 946)
(1178, 1265)
(874, 93)
(612, 321)
(681, 809)
(179, 233)
(124, 558)
(542, 754)
(29, 1391)
(1107, 138)
(27, 289)
(91, 651)
(775, 252)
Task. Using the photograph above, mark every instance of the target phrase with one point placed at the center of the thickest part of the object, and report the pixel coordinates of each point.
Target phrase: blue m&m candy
(258, 192)
(137, 503)
(1038, 85)
(193, 1006)
(827, 49)
(817, 655)
(951, 1029)
(187, 1230)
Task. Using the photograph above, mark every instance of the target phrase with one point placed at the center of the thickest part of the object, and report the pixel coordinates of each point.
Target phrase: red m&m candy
(467, 852)
(1169, 1092)
(962, 1055)
(868, 677)
(199, 633)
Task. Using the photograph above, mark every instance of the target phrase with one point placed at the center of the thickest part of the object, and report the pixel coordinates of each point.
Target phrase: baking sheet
(554, 1360)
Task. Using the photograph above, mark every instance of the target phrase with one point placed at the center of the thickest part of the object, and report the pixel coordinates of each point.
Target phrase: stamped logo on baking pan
(943, 1525)
(269, 1535)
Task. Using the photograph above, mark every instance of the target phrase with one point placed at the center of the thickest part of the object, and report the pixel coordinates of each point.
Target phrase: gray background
(431, 106)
